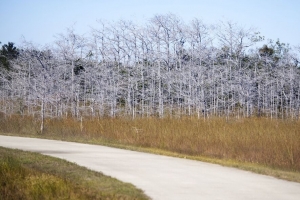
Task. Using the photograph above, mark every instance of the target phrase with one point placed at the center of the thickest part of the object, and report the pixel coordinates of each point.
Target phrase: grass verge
(26, 175)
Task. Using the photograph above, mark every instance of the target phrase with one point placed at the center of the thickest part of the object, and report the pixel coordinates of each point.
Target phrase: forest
(165, 67)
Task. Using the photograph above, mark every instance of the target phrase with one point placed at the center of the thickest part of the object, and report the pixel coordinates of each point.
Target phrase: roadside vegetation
(25, 175)
(219, 93)
(260, 145)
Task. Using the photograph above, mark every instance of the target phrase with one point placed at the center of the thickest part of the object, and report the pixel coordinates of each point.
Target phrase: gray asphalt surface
(163, 177)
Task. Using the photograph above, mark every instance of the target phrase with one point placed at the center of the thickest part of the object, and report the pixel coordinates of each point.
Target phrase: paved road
(163, 177)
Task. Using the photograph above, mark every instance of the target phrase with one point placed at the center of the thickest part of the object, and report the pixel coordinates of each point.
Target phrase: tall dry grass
(274, 143)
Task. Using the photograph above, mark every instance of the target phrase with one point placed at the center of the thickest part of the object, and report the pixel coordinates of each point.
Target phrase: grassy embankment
(25, 175)
(261, 145)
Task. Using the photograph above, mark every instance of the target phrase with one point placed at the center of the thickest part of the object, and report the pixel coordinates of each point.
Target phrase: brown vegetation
(274, 143)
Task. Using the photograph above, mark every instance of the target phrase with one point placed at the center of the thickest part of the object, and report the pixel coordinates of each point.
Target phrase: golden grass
(273, 143)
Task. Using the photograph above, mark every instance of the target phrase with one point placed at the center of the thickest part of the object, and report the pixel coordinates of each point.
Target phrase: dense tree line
(163, 67)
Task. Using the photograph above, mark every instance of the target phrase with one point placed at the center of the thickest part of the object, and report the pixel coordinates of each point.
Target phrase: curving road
(163, 177)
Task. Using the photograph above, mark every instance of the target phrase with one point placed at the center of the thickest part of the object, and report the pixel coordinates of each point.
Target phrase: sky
(39, 21)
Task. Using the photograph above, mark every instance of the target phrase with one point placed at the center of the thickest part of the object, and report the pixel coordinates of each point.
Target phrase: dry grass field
(274, 143)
